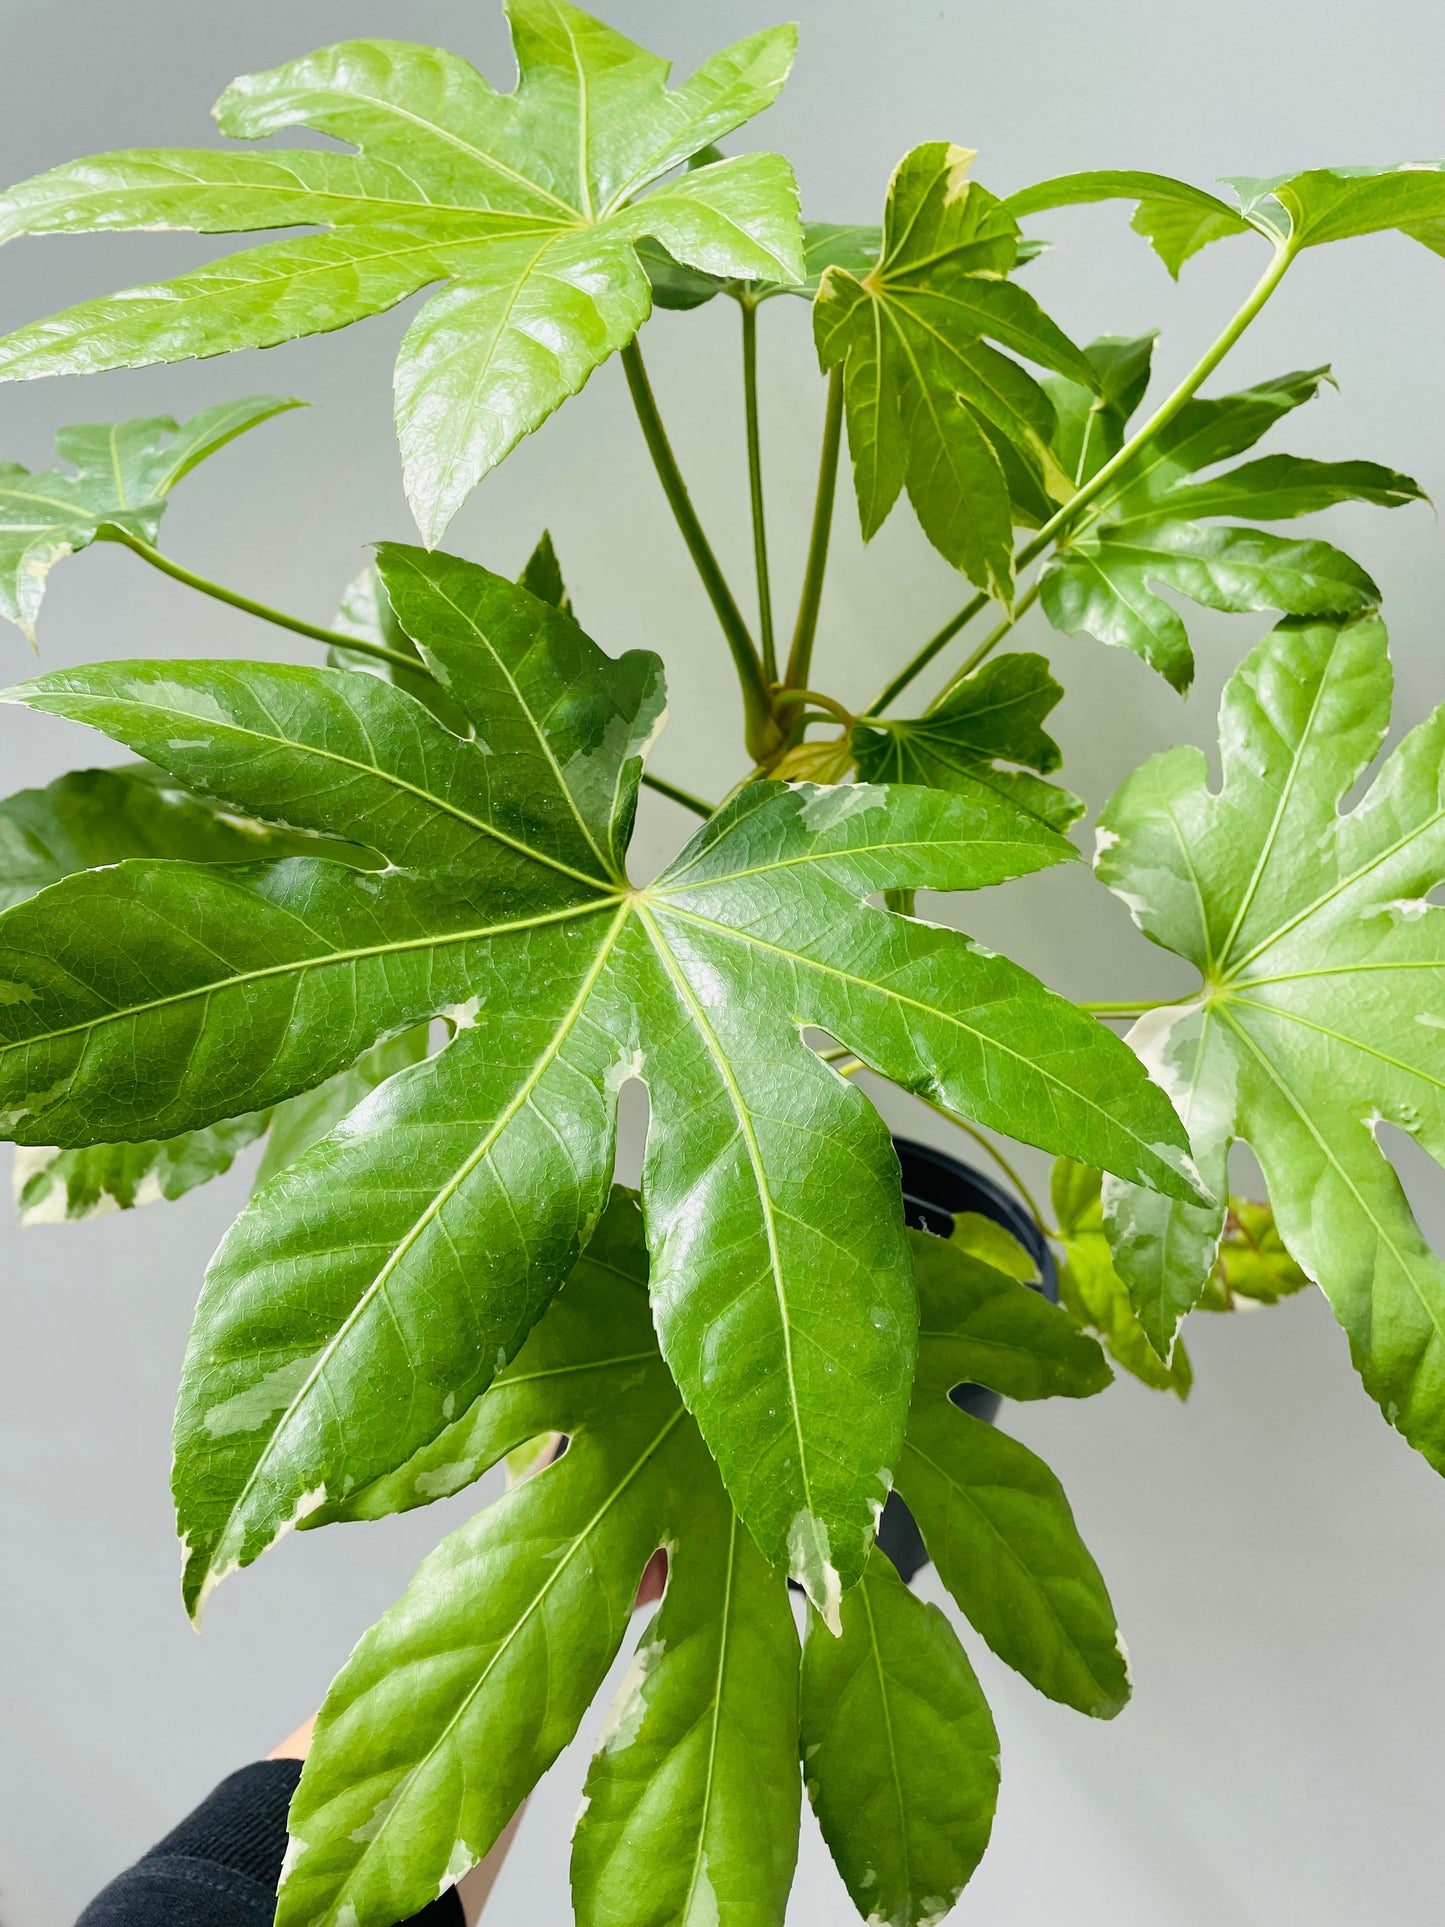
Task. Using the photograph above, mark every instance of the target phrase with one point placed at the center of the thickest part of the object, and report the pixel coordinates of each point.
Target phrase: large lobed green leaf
(454, 1704)
(121, 476)
(465, 1692)
(1146, 528)
(1320, 1013)
(525, 205)
(381, 1279)
(930, 405)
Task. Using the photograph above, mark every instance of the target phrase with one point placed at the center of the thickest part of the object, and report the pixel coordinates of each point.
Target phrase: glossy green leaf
(99, 817)
(826, 244)
(52, 1186)
(1279, 487)
(103, 816)
(542, 576)
(120, 476)
(1105, 586)
(302, 1121)
(999, 1529)
(923, 391)
(1094, 1293)
(524, 204)
(1176, 219)
(690, 1811)
(1337, 203)
(508, 1630)
(1146, 529)
(979, 1326)
(984, 1238)
(899, 1751)
(415, 1245)
(1091, 423)
(1320, 1016)
(996, 715)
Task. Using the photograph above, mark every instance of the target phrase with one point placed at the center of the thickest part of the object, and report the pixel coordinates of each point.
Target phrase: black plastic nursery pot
(936, 1188)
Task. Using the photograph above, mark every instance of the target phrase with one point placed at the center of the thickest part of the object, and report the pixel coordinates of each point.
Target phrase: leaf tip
(809, 1563)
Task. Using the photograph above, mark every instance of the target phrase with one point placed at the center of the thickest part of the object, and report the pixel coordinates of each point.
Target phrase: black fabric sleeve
(220, 1866)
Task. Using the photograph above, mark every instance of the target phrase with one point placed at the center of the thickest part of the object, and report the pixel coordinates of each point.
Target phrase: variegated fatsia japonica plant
(377, 913)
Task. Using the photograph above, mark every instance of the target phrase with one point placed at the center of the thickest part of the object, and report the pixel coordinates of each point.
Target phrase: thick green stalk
(1258, 295)
(333, 637)
(800, 655)
(757, 719)
(749, 312)
(677, 794)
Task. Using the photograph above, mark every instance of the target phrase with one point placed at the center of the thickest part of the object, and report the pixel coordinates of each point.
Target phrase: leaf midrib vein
(964, 1492)
(533, 1606)
(748, 1134)
(724, 1640)
(543, 741)
(429, 941)
(913, 1003)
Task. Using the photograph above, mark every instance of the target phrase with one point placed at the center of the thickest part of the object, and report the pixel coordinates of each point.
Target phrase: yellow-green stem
(986, 648)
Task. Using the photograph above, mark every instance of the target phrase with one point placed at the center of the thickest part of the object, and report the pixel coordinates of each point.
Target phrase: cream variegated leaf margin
(524, 204)
(1320, 1021)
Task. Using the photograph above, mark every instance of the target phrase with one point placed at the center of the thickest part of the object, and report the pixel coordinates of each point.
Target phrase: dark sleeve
(221, 1865)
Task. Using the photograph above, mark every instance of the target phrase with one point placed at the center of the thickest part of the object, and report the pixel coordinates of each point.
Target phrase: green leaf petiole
(759, 732)
(334, 638)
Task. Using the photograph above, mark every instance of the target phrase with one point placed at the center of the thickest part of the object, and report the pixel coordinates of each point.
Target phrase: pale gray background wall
(1276, 1554)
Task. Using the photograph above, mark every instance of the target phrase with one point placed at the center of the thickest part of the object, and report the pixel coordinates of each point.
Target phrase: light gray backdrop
(1276, 1554)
